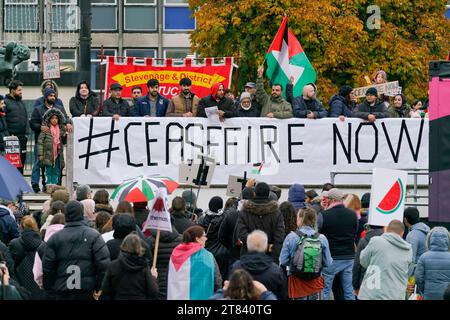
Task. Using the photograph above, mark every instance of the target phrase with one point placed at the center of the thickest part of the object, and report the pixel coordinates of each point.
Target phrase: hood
(167, 237)
(420, 226)
(438, 239)
(307, 230)
(337, 97)
(123, 225)
(74, 211)
(256, 262)
(296, 195)
(132, 262)
(396, 240)
(213, 214)
(215, 88)
(53, 112)
(5, 211)
(51, 230)
(261, 207)
(55, 86)
(31, 240)
(104, 207)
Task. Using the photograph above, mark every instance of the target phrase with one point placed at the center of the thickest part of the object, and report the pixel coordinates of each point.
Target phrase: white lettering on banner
(285, 151)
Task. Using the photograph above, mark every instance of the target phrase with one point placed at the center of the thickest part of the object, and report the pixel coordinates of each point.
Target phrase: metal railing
(412, 172)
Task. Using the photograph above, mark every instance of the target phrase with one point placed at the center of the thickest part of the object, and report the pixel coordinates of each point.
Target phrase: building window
(67, 60)
(21, 15)
(104, 15)
(176, 53)
(176, 3)
(178, 19)
(65, 15)
(95, 66)
(140, 15)
(141, 53)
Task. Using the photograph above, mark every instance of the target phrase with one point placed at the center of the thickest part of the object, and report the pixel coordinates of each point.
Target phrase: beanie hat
(372, 91)
(74, 211)
(123, 224)
(262, 191)
(248, 193)
(273, 196)
(48, 91)
(245, 95)
(345, 90)
(215, 204)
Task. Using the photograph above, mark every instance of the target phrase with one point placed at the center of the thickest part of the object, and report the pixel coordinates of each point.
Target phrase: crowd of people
(50, 137)
(310, 247)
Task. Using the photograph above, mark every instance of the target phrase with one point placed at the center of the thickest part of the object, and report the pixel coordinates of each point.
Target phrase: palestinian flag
(286, 58)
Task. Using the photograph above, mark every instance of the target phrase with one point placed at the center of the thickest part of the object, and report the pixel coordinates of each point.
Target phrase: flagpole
(155, 253)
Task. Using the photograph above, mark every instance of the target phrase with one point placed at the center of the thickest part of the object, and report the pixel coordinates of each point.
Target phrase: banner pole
(155, 253)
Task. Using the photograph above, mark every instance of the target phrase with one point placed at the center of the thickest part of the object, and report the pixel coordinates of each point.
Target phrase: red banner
(132, 73)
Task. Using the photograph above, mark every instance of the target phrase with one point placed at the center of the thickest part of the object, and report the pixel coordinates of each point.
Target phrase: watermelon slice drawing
(393, 199)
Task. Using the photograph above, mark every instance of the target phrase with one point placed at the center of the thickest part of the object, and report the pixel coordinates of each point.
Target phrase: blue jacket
(433, 269)
(338, 107)
(296, 196)
(290, 247)
(8, 226)
(142, 106)
(416, 237)
(300, 108)
(41, 100)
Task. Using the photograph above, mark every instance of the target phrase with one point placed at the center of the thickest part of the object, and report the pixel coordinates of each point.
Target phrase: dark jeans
(23, 151)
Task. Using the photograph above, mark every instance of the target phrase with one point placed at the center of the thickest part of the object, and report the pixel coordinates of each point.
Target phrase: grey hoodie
(387, 259)
(416, 237)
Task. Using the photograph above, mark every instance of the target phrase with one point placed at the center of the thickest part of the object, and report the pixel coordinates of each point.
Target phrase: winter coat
(16, 116)
(178, 105)
(432, 273)
(75, 245)
(338, 107)
(37, 266)
(358, 270)
(280, 108)
(228, 235)
(3, 131)
(8, 226)
(23, 251)
(181, 222)
(402, 112)
(141, 216)
(8, 259)
(45, 147)
(142, 107)
(129, 278)
(387, 259)
(167, 242)
(211, 222)
(340, 226)
(37, 119)
(296, 196)
(103, 207)
(121, 107)
(220, 295)
(79, 106)
(262, 268)
(263, 215)
(416, 237)
(379, 110)
(301, 108)
(225, 104)
(253, 112)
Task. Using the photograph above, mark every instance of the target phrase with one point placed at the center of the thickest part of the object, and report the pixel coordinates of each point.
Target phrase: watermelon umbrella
(142, 188)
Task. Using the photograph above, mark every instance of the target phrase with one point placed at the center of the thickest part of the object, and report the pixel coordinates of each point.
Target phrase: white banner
(276, 151)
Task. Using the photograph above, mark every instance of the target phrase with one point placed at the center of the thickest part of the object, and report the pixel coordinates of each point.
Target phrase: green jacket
(45, 147)
(280, 108)
(403, 112)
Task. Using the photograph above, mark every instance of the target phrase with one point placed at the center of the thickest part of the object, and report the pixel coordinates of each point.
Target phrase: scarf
(2, 114)
(55, 140)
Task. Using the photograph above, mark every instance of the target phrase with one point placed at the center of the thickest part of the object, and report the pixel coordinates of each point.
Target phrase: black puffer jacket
(227, 234)
(121, 107)
(225, 104)
(16, 116)
(3, 130)
(79, 106)
(8, 259)
(263, 215)
(181, 222)
(167, 242)
(129, 278)
(263, 269)
(211, 222)
(23, 250)
(379, 110)
(75, 245)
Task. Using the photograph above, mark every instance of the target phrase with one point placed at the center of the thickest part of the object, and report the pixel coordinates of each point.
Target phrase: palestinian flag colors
(286, 58)
(191, 273)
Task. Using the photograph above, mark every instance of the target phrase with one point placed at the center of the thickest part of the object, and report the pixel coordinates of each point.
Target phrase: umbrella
(143, 188)
(12, 182)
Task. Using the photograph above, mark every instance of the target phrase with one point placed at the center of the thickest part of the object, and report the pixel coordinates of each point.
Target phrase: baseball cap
(115, 86)
(250, 85)
(334, 194)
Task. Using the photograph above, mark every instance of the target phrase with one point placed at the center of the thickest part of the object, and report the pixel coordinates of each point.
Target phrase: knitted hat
(215, 204)
(262, 191)
(248, 193)
(74, 211)
(372, 92)
(48, 91)
(245, 95)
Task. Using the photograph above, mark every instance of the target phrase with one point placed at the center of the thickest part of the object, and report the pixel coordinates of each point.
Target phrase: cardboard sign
(50, 65)
(387, 197)
(12, 151)
(199, 173)
(389, 88)
(137, 71)
(234, 187)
